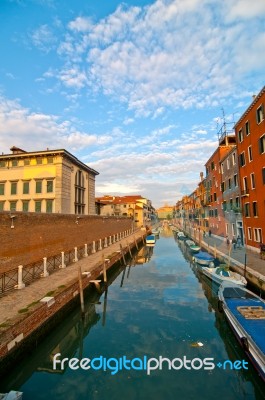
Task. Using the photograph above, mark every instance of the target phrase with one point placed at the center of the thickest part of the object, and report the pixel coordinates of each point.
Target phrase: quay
(27, 315)
(244, 261)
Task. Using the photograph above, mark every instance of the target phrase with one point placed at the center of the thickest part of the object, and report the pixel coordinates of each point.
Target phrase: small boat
(181, 236)
(223, 274)
(192, 246)
(155, 232)
(245, 312)
(204, 258)
(150, 239)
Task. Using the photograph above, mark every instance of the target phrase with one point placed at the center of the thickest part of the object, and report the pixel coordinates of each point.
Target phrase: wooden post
(93, 247)
(229, 254)
(214, 250)
(245, 265)
(136, 244)
(129, 249)
(100, 245)
(122, 253)
(104, 269)
(81, 289)
(105, 307)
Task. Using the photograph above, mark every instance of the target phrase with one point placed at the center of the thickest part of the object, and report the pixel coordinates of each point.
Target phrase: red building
(214, 192)
(250, 137)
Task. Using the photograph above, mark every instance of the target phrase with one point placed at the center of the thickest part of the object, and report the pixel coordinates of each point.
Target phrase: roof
(256, 99)
(19, 153)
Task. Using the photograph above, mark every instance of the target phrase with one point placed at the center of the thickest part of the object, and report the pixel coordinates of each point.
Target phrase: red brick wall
(35, 236)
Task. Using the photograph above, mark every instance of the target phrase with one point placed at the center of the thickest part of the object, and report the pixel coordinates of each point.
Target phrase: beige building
(138, 208)
(46, 181)
(165, 212)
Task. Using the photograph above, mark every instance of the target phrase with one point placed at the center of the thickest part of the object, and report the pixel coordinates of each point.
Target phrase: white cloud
(80, 24)
(43, 38)
(26, 129)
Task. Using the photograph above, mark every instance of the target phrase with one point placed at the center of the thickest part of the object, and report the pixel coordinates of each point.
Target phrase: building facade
(46, 181)
(136, 207)
(250, 137)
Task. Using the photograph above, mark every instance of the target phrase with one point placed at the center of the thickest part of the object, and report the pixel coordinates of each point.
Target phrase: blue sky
(134, 89)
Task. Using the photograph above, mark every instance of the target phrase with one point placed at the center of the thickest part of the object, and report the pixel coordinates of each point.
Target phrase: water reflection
(158, 306)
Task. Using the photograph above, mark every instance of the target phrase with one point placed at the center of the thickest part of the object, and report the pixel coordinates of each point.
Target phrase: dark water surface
(162, 307)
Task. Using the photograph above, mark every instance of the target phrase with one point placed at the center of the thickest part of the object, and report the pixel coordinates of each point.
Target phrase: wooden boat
(192, 246)
(181, 236)
(222, 274)
(204, 258)
(150, 239)
(245, 312)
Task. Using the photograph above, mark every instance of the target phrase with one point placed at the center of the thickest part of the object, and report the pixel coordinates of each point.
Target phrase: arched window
(79, 193)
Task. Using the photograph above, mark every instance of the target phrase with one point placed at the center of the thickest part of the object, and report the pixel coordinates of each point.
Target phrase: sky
(137, 90)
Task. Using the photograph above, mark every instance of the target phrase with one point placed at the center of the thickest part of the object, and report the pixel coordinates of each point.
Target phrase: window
(226, 228)
(39, 161)
(255, 209)
(79, 192)
(233, 158)
(247, 128)
(235, 180)
(250, 158)
(13, 187)
(247, 210)
(253, 183)
(49, 204)
(38, 206)
(224, 206)
(25, 206)
(49, 160)
(258, 235)
(212, 165)
(216, 212)
(228, 163)
(26, 162)
(240, 135)
(233, 230)
(2, 189)
(231, 204)
(262, 144)
(124, 205)
(2, 203)
(222, 168)
(25, 187)
(249, 234)
(222, 186)
(237, 202)
(214, 197)
(13, 205)
(229, 183)
(14, 163)
(49, 186)
(2, 164)
(263, 175)
(260, 114)
(38, 186)
(242, 160)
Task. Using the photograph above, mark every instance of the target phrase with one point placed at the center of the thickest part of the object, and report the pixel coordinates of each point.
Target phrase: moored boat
(223, 274)
(150, 239)
(204, 258)
(12, 395)
(192, 246)
(181, 236)
(245, 312)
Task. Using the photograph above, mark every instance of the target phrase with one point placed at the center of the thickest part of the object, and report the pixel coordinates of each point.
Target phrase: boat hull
(203, 259)
(235, 279)
(250, 333)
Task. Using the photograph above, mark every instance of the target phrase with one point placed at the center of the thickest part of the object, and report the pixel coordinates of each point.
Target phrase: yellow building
(46, 181)
(165, 212)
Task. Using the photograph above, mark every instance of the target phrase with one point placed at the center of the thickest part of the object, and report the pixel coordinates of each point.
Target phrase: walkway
(13, 302)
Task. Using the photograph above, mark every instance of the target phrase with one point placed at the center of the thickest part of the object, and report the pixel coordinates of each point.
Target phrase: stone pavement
(11, 303)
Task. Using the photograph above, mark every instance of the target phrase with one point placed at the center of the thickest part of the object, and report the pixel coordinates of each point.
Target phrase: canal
(158, 306)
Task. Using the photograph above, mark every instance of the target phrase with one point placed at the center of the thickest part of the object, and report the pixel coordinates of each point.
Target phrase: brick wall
(35, 235)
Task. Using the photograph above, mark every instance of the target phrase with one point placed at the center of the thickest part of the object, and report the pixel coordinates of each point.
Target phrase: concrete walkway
(240, 254)
(13, 302)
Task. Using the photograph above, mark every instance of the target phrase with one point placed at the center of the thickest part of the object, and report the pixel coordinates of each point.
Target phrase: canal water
(157, 307)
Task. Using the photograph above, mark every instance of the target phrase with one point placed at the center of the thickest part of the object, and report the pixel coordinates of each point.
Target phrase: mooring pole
(81, 289)
(104, 269)
(245, 265)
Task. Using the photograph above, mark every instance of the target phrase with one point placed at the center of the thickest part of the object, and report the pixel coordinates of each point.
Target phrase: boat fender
(211, 264)
(193, 258)
(220, 306)
(244, 343)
